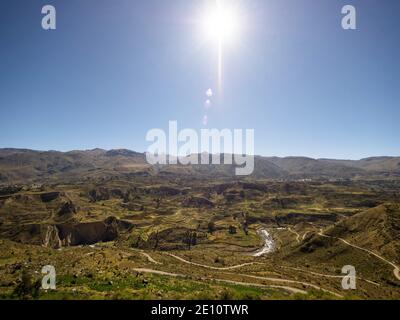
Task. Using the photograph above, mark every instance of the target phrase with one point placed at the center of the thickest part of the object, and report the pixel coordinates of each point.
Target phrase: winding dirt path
(145, 254)
(295, 233)
(163, 273)
(396, 270)
(307, 284)
(329, 275)
(249, 284)
(211, 267)
(305, 234)
(149, 258)
(294, 290)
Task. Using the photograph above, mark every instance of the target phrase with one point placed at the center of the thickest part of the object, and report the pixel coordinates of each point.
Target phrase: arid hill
(21, 165)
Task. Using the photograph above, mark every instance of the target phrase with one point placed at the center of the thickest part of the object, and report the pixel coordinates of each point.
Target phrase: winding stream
(268, 246)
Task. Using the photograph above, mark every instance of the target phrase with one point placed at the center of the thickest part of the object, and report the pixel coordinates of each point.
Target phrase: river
(268, 246)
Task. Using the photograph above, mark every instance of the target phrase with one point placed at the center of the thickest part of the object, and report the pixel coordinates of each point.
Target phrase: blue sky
(112, 70)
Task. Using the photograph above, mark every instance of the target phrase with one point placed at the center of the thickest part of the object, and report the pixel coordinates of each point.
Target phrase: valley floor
(259, 240)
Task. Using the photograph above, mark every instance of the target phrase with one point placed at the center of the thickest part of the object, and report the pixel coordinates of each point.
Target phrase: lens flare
(221, 25)
(221, 22)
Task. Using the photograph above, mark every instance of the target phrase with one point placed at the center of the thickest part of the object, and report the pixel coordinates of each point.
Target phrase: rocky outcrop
(67, 209)
(102, 194)
(294, 218)
(234, 195)
(179, 238)
(88, 233)
(93, 232)
(198, 202)
(71, 234)
(7, 190)
(52, 238)
(49, 196)
(165, 191)
(99, 194)
(265, 219)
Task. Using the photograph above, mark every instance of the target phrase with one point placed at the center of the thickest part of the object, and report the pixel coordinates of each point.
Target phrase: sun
(221, 22)
(222, 25)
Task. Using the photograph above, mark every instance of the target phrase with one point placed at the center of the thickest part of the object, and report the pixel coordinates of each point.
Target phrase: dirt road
(396, 270)
(307, 284)
(249, 284)
(211, 267)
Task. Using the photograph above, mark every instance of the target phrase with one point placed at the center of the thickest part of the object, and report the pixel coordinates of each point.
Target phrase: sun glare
(221, 22)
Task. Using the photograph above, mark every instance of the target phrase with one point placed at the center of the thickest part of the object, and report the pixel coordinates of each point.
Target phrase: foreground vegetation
(178, 238)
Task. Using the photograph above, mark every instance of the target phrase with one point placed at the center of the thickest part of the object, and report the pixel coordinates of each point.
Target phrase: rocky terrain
(117, 228)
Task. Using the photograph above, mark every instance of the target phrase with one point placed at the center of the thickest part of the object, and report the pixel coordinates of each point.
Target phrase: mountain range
(23, 165)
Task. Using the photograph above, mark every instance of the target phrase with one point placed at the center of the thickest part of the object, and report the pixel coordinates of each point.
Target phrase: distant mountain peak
(122, 152)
